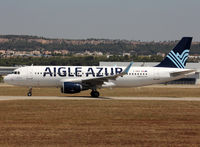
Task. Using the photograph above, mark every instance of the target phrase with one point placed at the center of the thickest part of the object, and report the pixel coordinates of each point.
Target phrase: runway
(4, 98)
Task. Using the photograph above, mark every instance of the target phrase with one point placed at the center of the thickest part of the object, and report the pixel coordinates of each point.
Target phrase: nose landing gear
(29, 92)
(94, 93)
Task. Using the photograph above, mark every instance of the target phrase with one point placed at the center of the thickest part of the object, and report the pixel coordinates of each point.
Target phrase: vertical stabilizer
(177, 58)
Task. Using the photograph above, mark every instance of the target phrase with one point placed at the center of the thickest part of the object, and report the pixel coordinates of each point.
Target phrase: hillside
(105, 46)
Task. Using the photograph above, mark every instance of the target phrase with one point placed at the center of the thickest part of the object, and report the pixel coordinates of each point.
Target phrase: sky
(145, 20)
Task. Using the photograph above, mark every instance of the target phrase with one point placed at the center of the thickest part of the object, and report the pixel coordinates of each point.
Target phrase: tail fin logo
(177, 59)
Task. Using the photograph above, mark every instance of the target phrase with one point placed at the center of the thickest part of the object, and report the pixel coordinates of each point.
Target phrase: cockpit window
(16, 72)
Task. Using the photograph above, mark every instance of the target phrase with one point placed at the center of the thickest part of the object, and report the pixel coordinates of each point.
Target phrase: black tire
(29, 94)
(94, 94)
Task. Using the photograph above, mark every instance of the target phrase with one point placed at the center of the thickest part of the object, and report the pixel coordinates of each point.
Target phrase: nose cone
(7, 79)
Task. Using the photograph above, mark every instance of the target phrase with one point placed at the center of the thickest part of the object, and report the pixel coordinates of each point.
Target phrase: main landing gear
(94, 93)
(29, 92)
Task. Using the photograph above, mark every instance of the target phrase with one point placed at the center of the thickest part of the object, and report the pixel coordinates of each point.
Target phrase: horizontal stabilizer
(182, 73)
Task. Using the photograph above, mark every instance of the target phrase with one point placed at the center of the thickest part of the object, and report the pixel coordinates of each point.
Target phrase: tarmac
(6, 98)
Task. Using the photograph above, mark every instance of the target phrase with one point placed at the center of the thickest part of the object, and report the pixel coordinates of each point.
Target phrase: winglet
(127, 68)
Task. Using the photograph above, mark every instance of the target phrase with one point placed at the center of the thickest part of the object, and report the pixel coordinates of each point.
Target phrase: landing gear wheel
(29, 94)
(94, 94)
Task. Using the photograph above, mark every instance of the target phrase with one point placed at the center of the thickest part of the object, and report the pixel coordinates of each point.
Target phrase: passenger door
(29, 76)
(156, 75)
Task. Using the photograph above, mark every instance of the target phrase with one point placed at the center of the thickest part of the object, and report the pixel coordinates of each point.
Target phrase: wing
(99, 81)
(182, 73)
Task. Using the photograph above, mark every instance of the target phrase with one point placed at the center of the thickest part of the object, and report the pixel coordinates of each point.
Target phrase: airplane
(74, 79)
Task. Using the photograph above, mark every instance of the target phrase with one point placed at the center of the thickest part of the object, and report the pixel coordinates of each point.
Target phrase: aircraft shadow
(87, 97)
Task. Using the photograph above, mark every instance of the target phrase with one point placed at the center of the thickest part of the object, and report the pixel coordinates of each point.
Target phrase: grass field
(99, 123)
(151, 91)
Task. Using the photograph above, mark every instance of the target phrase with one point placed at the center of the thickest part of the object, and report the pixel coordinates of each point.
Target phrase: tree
(1, 79)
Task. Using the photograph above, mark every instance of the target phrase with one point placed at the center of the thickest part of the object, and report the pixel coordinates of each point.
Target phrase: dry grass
(99, 123)
(153, 91)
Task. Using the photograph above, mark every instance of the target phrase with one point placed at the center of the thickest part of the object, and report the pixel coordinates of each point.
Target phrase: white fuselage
(54, 76)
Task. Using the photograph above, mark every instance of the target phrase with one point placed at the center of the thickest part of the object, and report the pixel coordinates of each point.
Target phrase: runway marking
(4, 98)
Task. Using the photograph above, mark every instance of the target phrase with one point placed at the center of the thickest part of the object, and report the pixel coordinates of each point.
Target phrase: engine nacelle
(70, 87)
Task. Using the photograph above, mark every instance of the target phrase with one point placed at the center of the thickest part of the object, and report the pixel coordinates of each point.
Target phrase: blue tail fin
(177, 58)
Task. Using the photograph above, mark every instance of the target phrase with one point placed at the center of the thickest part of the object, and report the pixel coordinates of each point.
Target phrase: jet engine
(70, 87)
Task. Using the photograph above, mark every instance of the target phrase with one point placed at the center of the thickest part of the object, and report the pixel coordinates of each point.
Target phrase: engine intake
(70, 87)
